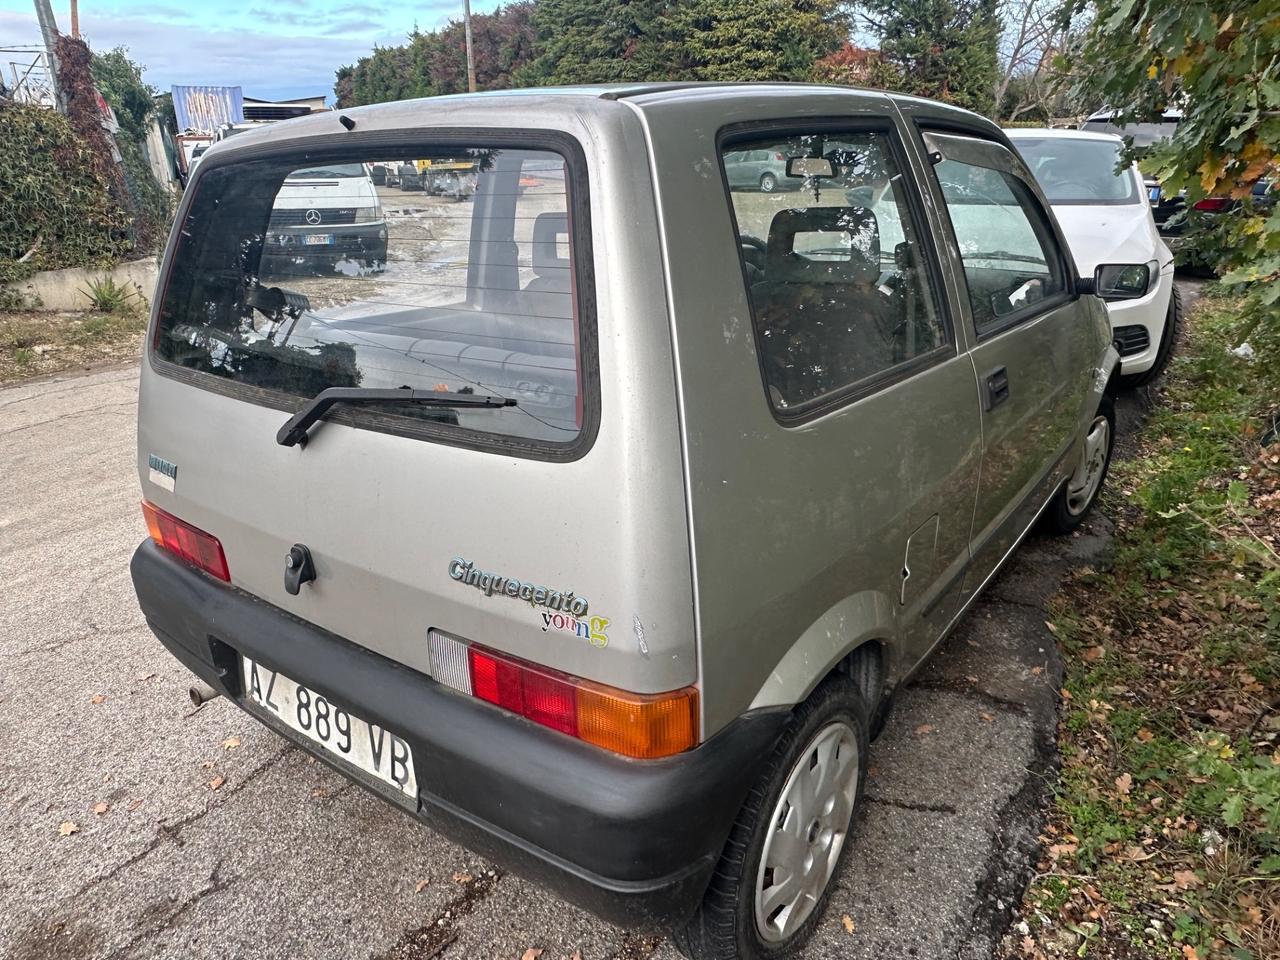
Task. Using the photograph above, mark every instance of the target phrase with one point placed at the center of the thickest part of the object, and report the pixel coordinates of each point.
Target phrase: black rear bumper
(633, 841)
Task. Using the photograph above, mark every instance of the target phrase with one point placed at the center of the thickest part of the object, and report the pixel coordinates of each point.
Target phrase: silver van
(598, 529)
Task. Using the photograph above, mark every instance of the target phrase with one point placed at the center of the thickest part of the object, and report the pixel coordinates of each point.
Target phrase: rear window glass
(448, 269)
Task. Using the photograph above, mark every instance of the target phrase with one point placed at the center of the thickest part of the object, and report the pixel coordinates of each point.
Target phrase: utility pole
(49, 32)
(75, 19)
(471, 62)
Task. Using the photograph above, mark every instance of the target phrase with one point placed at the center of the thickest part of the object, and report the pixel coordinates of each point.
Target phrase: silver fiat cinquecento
(596, 523)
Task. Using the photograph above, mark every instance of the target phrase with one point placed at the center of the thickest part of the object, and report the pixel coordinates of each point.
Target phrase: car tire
(1077, 496)
(768, 183)
(1168, 343)
(833, 722)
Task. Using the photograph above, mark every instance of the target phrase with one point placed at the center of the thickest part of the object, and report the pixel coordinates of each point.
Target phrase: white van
(327, 218)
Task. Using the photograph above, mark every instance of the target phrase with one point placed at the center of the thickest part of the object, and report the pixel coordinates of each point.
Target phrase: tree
(739, 40)
(120, 82)
(1219, 61)
(435, 63)
(854, 66)
(602, 41)
(944, 49)
(1034, 33)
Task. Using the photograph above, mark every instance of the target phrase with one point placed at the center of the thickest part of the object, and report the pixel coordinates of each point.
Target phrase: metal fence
(26, 77)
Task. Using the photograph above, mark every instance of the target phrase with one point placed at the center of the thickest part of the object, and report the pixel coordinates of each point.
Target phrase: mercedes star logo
(313, 217)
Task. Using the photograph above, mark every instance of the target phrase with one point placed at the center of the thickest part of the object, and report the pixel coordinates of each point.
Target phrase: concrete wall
(65, 289)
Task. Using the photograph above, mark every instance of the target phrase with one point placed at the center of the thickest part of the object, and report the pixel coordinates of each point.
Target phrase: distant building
(255, 109)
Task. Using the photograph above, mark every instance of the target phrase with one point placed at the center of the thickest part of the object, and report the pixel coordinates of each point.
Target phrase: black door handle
(997, 387)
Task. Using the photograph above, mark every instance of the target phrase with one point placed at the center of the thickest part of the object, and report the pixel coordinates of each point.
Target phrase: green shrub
(57, 210)
(107, 296)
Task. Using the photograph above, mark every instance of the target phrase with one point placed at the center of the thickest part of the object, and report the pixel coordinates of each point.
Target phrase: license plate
(366, 746)
(317, 239)
(1154, 193)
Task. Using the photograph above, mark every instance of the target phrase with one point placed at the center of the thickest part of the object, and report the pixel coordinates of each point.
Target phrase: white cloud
(288, 57)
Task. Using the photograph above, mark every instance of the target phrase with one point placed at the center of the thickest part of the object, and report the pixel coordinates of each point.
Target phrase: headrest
(547, 228)
(858, 223)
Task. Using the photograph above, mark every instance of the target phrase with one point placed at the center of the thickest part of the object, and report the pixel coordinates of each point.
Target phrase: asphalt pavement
(138, 827)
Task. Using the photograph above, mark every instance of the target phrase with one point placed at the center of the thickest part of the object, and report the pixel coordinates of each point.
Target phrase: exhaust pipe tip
(202, 693)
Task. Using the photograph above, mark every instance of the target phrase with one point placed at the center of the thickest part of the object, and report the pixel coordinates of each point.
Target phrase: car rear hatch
(551, 528)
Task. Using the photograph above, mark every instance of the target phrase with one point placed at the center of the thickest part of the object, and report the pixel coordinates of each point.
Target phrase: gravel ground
(202, 834)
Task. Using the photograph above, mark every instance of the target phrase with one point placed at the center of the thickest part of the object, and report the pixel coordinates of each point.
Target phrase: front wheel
(1071, 504)
(774, 876)
(768, 183)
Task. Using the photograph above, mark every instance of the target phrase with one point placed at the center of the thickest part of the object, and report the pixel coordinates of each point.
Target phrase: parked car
(758, 170)
(1143, 134)
(1186, 232)
(602, 539)
(1104, 211)
(325, 217)
(409, 176)
(378, 174)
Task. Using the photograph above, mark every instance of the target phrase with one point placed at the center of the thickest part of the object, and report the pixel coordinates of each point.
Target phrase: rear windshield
(1079, 171)
(449, 269)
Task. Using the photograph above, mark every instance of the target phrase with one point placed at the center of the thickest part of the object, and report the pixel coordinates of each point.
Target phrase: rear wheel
(1070, 505)
(774, 876)
(1168, 342)
(768, 183)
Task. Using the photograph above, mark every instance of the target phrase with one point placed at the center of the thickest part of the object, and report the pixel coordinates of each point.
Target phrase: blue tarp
(207, 108)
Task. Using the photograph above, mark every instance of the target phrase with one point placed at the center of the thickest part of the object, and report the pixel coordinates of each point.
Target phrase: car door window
(836, 277)
(1012, 263)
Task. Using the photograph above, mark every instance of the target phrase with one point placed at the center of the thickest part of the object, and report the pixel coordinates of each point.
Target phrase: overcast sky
(270, 48)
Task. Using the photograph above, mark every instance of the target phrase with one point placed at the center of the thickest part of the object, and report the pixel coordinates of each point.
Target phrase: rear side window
(458, 270)
(838, 288)
(1011, 261)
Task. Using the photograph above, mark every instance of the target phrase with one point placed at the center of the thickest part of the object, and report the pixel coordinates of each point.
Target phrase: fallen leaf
(98, 698)
(1094, 653)
(1124, 783)
(924, 729)
(1189, 952)
(1036, 671)
(217, 782)
(533, 953)
(421, 885)
(67, 828)
(1145, 735)
(461, 877)
(849, 925)
(134, 804)
(231, 742)
(1182, 879)
(318, 792)
(987, 717)
(100, 808)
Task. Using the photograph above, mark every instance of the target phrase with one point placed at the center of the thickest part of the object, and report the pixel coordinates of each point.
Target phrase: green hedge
(52, 198)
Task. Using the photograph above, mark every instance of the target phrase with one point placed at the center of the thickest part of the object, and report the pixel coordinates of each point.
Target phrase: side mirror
(1121, 281)
(810, 167)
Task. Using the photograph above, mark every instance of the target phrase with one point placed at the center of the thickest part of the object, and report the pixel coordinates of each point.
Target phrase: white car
(1106, 216)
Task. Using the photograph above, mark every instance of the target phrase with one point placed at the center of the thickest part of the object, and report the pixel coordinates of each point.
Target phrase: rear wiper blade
(294, 432)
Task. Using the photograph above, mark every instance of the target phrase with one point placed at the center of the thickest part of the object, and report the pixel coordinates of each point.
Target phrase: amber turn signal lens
(637, 725)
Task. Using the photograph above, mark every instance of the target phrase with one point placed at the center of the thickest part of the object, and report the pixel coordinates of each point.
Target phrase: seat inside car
(829, 283)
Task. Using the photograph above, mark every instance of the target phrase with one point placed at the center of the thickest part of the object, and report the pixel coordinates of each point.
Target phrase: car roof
(584, 100)
(1059, 133)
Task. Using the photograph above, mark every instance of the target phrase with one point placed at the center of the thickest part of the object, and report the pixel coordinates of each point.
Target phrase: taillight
(200, 549)
(1212, 204)
(633, 724)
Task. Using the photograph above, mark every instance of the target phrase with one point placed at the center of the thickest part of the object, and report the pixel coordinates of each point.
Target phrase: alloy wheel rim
(1084, 482)
(806, 832)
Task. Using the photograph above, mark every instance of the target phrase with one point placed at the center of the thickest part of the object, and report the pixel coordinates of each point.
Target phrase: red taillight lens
(180, 538)
(633, 724)
(1212, 204)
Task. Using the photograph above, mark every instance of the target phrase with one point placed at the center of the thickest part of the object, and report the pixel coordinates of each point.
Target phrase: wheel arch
(855, 636)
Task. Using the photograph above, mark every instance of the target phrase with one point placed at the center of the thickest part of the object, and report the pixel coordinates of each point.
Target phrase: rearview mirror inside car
(1121, 281)
(810, 167)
